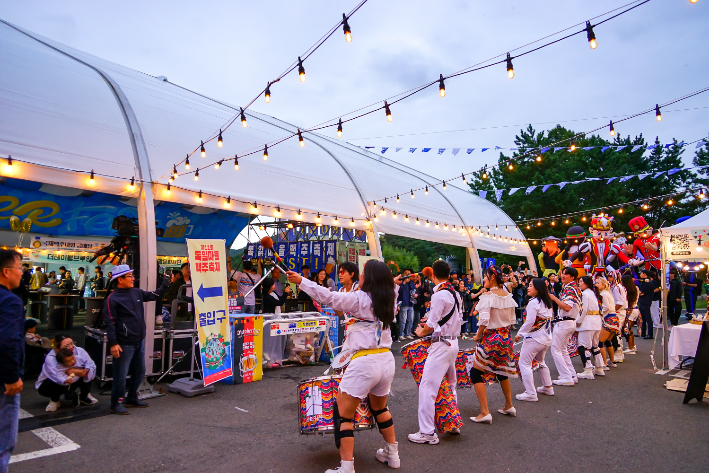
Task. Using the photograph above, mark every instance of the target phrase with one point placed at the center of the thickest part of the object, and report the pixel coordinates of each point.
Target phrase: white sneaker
(455, 431)
(587, 374)
(611, 364)
(619, 355)
(526, 397)
(605, 368)
(419, 437)
(548, 391)
(389, 454)
(563, 382)
(576, 380)
(599, 372)
(345, 467)
(90, 400)
(52, 406)
(630, 351)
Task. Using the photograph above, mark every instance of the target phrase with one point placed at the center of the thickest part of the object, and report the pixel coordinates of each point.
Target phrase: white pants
(656, 313)
(622, 319)
(440, 362)
(560, 337)
(533, 350)
(589, 339)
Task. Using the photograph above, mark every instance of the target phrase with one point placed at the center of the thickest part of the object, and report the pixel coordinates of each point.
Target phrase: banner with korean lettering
(209, 276)
(330, 255)
(292, 262)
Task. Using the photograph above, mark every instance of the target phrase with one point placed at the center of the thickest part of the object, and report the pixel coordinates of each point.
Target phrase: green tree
(404, 258)
(426, 251)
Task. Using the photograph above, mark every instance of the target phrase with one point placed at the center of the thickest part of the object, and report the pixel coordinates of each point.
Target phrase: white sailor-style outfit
(444, 317)
(589, 326)
(537, 334)
(618, 292)
(564, 327)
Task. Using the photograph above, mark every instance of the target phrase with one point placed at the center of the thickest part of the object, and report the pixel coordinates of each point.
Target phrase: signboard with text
(209, 275)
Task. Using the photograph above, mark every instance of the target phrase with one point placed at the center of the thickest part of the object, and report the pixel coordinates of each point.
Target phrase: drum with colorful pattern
(316, 400)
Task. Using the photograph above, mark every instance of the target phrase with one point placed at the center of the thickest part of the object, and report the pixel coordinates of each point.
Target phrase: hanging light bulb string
(570, 140)
(404, 95)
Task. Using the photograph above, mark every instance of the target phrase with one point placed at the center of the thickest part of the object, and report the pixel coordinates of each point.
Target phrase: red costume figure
(646, 244)
(600, 248)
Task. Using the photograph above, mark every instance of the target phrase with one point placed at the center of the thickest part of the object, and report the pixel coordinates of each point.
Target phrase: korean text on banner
(209, 286)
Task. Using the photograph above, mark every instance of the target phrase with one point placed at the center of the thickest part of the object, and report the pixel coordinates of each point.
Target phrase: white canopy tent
(64, 113)
(686, 241)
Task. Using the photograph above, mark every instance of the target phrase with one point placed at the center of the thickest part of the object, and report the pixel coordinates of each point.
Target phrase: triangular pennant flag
(557, 148)
(587, 148)
(604, 148)
(651, 147)
(619, 148)
(636, 148)
(562, 184)
(544, 149)
(369, 147)
(673, 171)
(611, 179)
(668, 145)
(482, 194)
(384, 149)
(411, 150)
(594, 179)
(441, 150)
(396, 150)
(513, 190)
(530, 189)
(426, 150)
(516, 149)
(499, 194)
(625, 178)
(498, 147)
(545, 187)
(455, 151)
(469, 150)
(641, 176)
(484, 149)
(655, 176)
(700, 144)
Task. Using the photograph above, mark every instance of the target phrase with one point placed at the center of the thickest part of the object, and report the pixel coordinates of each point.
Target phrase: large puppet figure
(600, 248)
(646, 245)
(575, 237)
(546, 258)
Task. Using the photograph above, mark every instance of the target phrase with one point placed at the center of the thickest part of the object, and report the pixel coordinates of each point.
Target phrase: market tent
(687, 241)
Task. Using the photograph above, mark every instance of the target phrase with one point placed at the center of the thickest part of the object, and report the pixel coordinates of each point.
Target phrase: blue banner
(54, 212)
(304, 255)
(317, 262)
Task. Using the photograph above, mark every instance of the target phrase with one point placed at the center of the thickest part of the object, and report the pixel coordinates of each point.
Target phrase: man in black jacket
(675, 294)
(125, 330)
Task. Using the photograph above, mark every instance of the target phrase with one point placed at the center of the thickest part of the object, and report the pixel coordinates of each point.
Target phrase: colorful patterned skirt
(573, 344)
(610, 323)
(494, 352)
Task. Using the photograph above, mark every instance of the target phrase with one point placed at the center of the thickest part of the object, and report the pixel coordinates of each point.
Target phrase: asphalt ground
(625, 421)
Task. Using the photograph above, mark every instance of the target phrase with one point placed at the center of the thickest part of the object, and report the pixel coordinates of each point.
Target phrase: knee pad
(615, 342)
(501, 377)
(608, 344)
(476, 376)
(582, 354)
(595, 352)
(601, 344)
(385, 424)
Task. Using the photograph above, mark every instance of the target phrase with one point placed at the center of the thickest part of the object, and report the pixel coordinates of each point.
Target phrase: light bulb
(228, 202)
(346, 29)
(278, 211)
(538, 158)
(509, 67)
(91, 178)
(267, 93)
(236, 163)
(352, 222)
(412, 193)
(444, 182)
(611, 128)
(383, 211)
(242, 117)
(187, 162)
(417, 221)
(175, 173)
(340, 128)
(298, 215)
(219, 138)
(670, 202)
(388, 112)
(202, 149)
(406, 218)
(266, 152)
(318, 218)
(436, 225)
(197, 173)
(218, 164)
(397, 197)
(427, 223)
(442, 87)
(572, 146)
(199, 197)
(658, 113)
(510, 166)
(591, 37)
(301, 70)
(484, 175)
(300, 139)
(132, 185)
(463, 178)
(698, 248)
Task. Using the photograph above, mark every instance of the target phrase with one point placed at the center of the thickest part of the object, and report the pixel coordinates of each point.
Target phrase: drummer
(371, 370)
(444, 322)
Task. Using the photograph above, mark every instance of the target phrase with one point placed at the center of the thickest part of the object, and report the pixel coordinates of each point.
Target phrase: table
(683, 342)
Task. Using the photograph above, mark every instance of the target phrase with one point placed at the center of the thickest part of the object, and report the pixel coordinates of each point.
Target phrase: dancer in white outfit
(371, 370)
(589, 326)
(569, 304)
(536, 332)
(610, 322)
(618, 291)
(443, 322)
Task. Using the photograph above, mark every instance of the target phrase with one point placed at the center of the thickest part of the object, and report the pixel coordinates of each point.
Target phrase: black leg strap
(381, 411)
(385, 424)
(346, 433)
(343, 419)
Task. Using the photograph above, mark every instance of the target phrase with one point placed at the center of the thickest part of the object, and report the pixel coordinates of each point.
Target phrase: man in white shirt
(569, 304)
(444, 324)
(245, 281)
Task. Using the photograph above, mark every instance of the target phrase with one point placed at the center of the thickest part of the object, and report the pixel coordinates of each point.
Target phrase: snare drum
(446, 414)
(316, 400)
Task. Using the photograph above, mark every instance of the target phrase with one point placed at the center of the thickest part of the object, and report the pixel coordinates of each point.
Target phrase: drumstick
(426, 272)
(268, 243)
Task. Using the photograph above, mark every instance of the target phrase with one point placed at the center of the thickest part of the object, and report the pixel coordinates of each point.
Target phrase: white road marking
(243, 410)
(58, 442)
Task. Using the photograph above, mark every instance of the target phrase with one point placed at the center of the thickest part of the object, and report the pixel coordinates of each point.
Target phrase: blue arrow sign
(205, 292)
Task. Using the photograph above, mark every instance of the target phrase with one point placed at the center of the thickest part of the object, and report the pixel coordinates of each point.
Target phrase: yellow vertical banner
(208, 266)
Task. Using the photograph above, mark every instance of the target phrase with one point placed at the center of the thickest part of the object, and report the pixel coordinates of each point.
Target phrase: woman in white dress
(618, 291)
(371, 370)
(589, 326)
(610, 322)
(537, 334)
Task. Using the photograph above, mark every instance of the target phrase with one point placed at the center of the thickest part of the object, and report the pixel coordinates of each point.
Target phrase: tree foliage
(404, 258)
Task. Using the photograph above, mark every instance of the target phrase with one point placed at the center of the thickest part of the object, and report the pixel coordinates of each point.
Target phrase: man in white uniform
(444, 324)
(569, 305)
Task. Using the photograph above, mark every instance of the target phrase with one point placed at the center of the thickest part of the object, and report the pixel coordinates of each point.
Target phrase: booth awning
(687, 241)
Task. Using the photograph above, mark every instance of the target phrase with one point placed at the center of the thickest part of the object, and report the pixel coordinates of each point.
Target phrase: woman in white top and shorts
(618, 291)
(537, 335)
(494, 353)
(369, 375)
(610, 322)
(589, 326)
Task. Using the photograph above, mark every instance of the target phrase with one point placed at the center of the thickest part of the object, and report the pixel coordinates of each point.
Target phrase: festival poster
(209, 275)
(291, 257)
(247, 336)
(331, 333)
(317, 256)
(281, 249)
(330, 255)
(304, 255)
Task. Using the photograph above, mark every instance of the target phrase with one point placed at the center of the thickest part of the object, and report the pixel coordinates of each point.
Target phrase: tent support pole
(664, 306)
(474, 262)
(373, 241)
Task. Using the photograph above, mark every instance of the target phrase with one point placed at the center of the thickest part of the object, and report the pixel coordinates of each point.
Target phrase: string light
(510, 166)
(387, 112)
(236, 163)
(444, 184)
(132, 185)
(528, 227)
(539, 223)
(218, 164)
(266, 152)
(670, 202)
(340, 128)
(202, 149)
(591, 37)
(485, 174)
(254, 208)
(199, 197)
(701, 195)
(300, 139)
(197, 173)
(346, 29)
(426, 190)
(397, 197)
(352, 222)
(572, 146)
(336, 222)
(394, 214)
(645, 206)
(228, 202)
(427, 223)
(442, 87)
(611, 128)
(91, 178)
(412, 193)
(658, 113)
(267, 93)
(566, 221)
(383, 211)
(463, 178)
(584, 218)
(416, 222)
(621, 211)
(278, 211)
(509, 66)
(175, 173)
(9, 160)
(298, 215)
(242, 117)
(301, 70)
(219, 138)
(406, 218)
(318, 218)
(436, 225)
(187, 163)
(539, 157)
